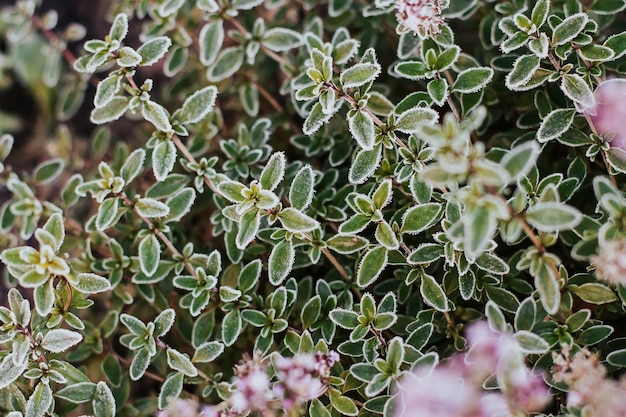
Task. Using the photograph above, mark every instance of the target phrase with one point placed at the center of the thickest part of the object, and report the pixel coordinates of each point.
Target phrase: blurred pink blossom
(610, 262)
(422, 17)
(608, 112)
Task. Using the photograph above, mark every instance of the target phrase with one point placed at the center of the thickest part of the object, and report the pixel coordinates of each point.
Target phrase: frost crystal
(422, 17)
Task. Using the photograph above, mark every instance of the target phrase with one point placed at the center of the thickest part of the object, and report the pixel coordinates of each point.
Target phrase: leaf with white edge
(227, 63)
(133, 165)
(472, 80)
(180, 203)
(361, 127)
(107, 213)
(371, 266)
(208, 352)
(163, 322)
(55, 227)
(359, 74)
(556, 123)
(211, 39)
(364, 164)
(39, 401)
(540, 11)
(248, 228)
(495, 317)
(296, 221)
(616, 157)
(412, 70)
(127, 57)
(432, 293)
(150, 208)
(379, 383)
(530, 343)
(180, 362)
(594, 293)
(552, 216)
(346, 319)
(547, 285)
(519, 160)
(577, 89)
(157, 115)
(103, 401)
(113, 110)
(9, 371)
(44, 298)
(140, 363)
(77, 393)
(492, 263)
(153, 50)
(523, 69)
(149, 254)
(88, 283)
(119, 28)
(135, 325)
(171, 389)
(479, 225)
(386, 236)
(347, 244)
(438, 90)
(341, 403)
(60, 340)
(596, 53)
(281, 262)
(231, 327)
(419, 218)
(107, 89)
(569, 28)
(198, 105)
(411, 120)
(280, 39)
(302, 188)
(273, 172)
(315, 120)
(163, 159)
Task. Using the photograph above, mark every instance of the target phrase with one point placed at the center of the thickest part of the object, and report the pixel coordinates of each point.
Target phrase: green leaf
(617, 358)
(548, 286)
(280, 262)
(413, 70)
(9, 371)
(88, 283)
(419, 218)
(426, 253)
(301, 190)
(39, 401)
(208, 352)
(149, 254)
(163, 159)
(133, 165)
(359, 74)
(361, 127)
(616, 157)
(617, 43)
(556, 123)
(107, 213)
(569, 28)
(447, 58)
(135, 325)
(150, 208)
(210, 40)
(347, 244)
(54, 226)
(377, 384)
(432, 293)
(280, 39)
(163, 322)
(438, 90)
(107, 89)
(316, 119)
(607, 7)
(113, 110)
(530, 343)
(520, 160)
(112, 370)
(231, 327)
(157, 115)
(472, 80)
(198, 105)
(77, 393)
(273, 172)
(594, 293)
(180, 362)
(180, 204)
(297, 222)
(171, 389)
(119, 28)
(523, 69)
(342, 403)
(364, 164)
(412, 120)
(596, 53)
(371, 266)
(552, 216)
(44, 298)
(311, 311)
(479, 225)
(540, 12)
(575, 87)
(346, 319)
(386, 236)
(492, 263)
(103, 401)
(248, 228)
(317, 409)
(593, 335)
(154, 49)
(228, 62)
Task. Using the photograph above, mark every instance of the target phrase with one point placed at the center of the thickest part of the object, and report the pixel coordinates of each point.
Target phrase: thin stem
(275, 104)
(183, 149)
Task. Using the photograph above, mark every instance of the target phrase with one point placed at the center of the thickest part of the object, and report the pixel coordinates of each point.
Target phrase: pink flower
(608, 112)
(422, 17)
(526, 389)
(180, 408)
(487, 348)
(610, 262)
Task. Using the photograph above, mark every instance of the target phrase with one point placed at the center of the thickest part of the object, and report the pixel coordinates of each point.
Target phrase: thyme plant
(315, 207)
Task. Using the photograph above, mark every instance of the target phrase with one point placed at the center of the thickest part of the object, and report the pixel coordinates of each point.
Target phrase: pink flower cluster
(588, 385)
(455, 389)
(422, 17)
(607, 111)
(610, 262)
